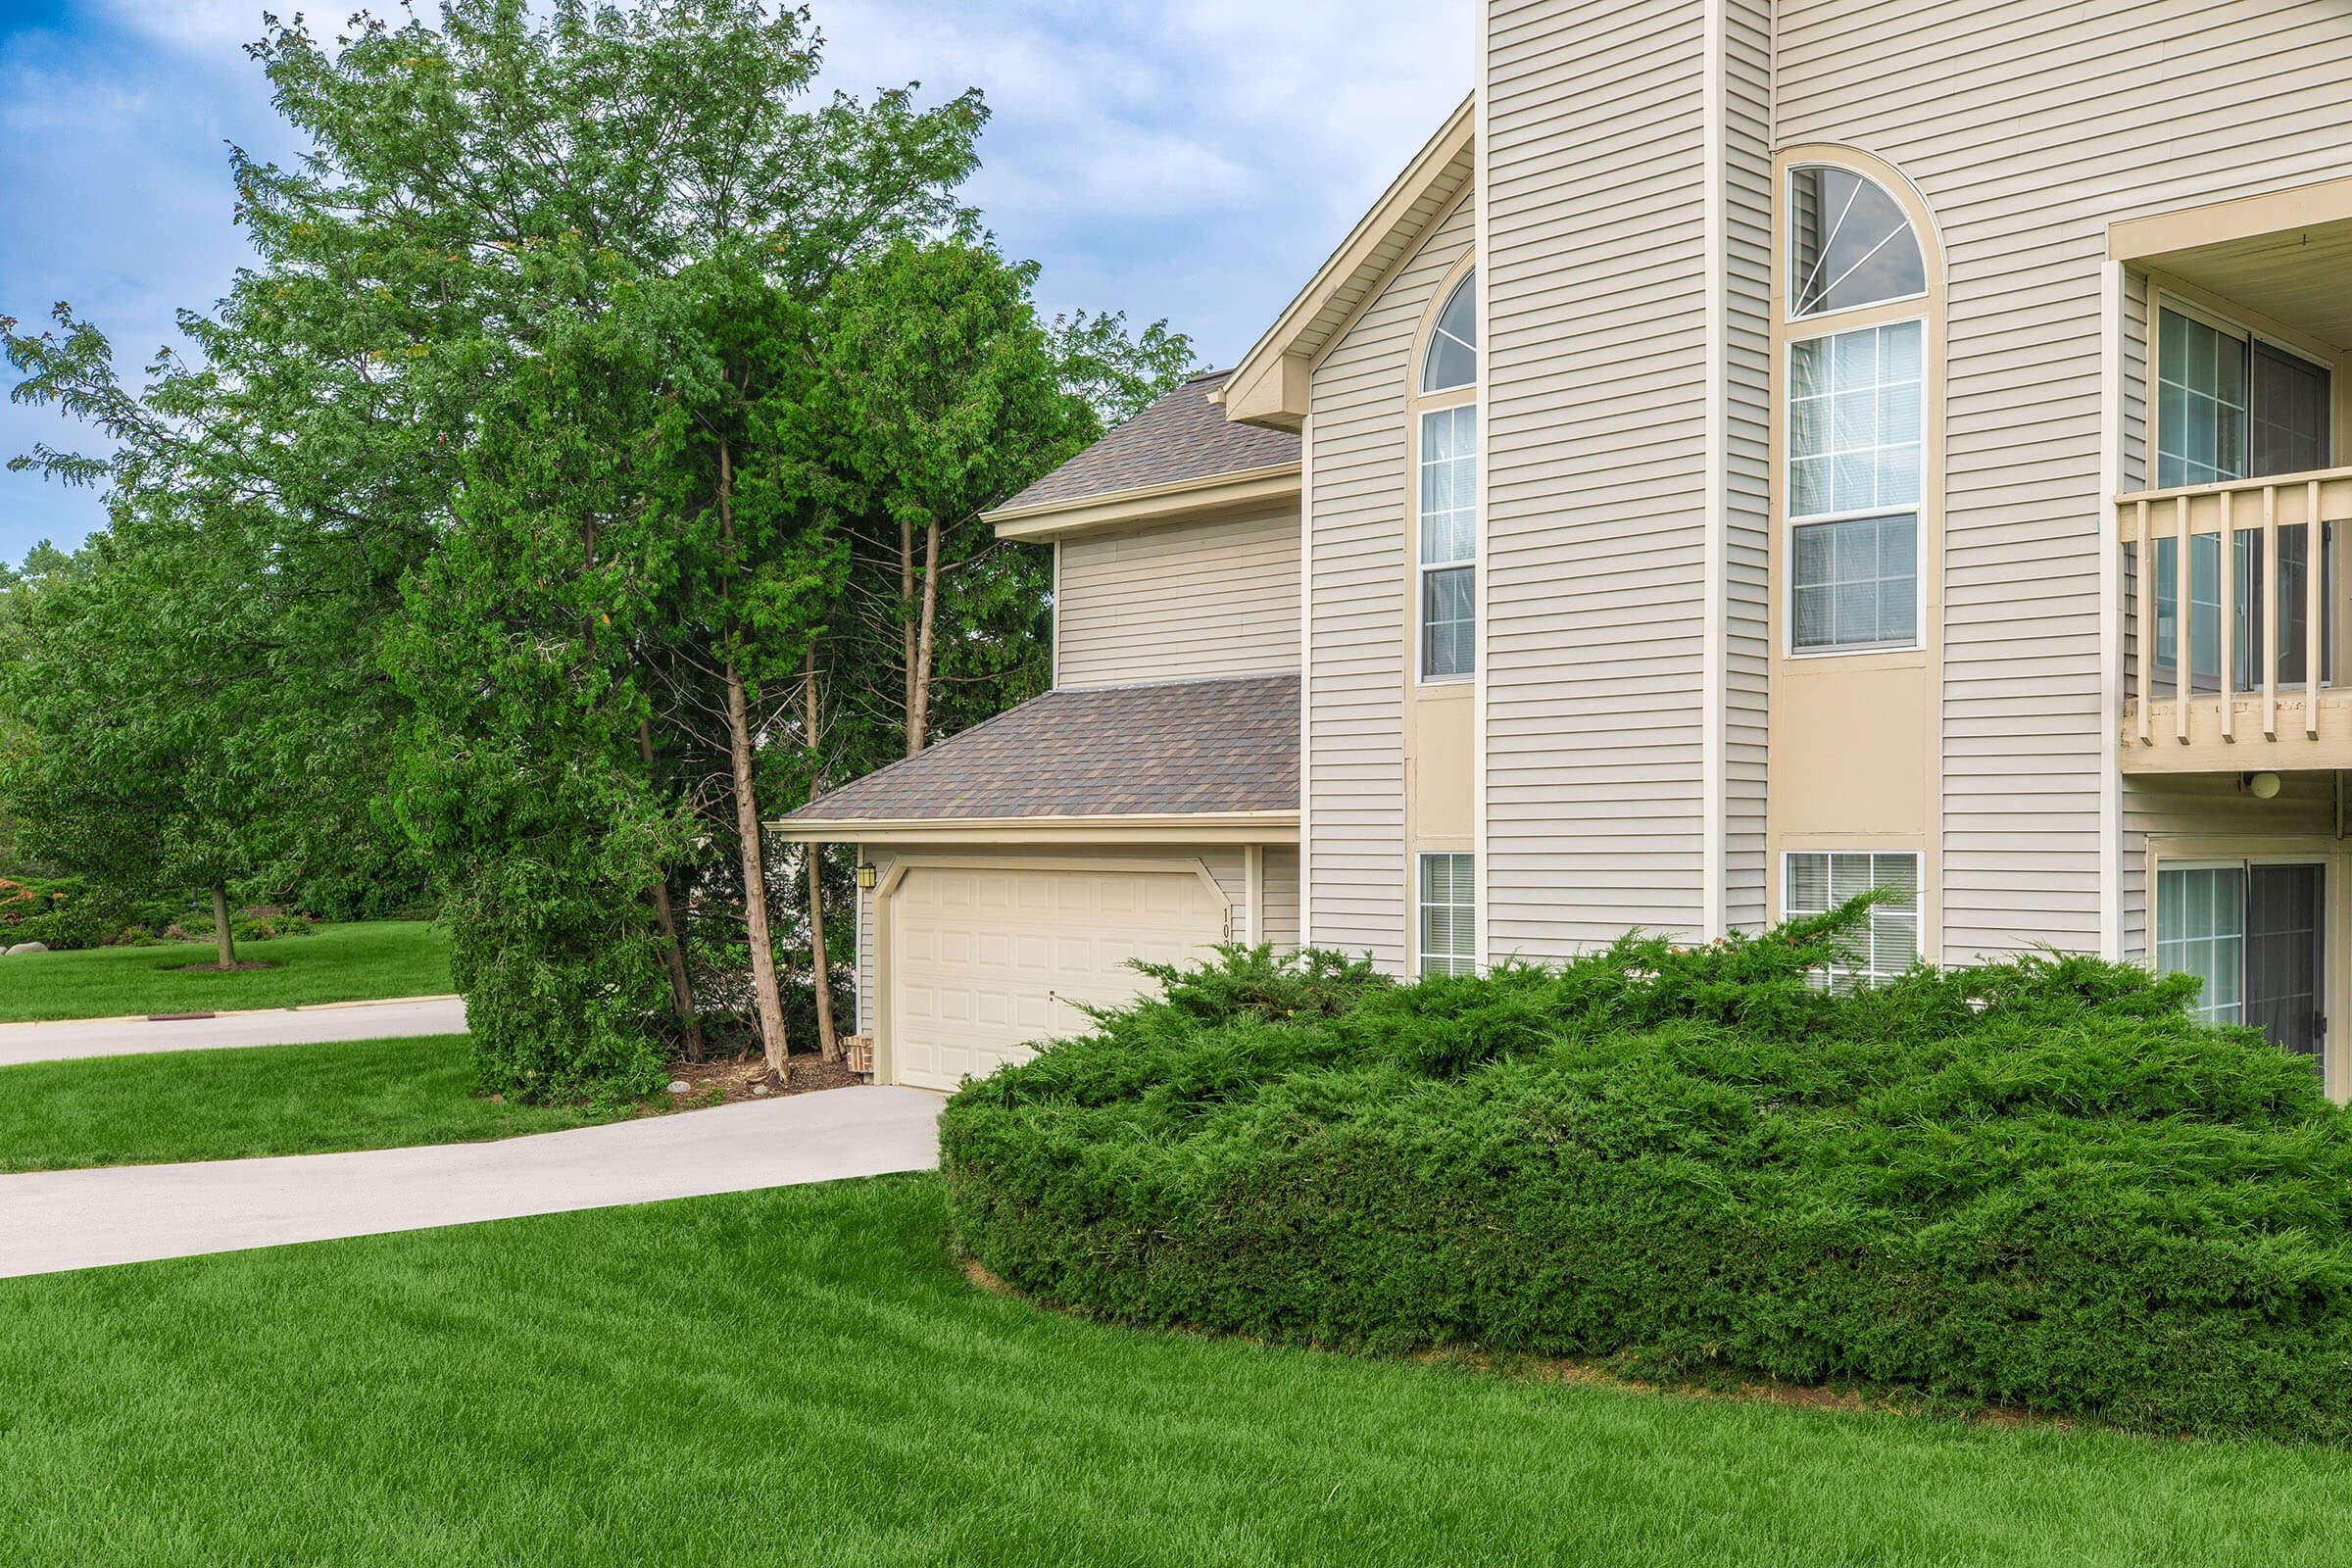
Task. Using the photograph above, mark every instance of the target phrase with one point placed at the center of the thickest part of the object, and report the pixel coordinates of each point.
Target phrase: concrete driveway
(70, 1038)
(52, 1220)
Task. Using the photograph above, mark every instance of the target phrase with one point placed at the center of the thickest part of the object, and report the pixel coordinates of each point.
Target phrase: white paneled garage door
(986, 961)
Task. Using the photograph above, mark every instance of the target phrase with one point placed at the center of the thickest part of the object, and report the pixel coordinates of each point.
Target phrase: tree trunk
(766, 997)
(918, 705)
(673, 949)
(223, 938)
(754, 880)
(821, 969)
(907, 631)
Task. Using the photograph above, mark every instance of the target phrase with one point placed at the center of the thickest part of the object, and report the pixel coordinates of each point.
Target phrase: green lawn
(358, 962)
(270, 1100)
(804, 1377)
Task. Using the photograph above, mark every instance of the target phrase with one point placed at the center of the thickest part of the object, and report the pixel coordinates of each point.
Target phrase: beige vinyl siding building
(1359, 666)
(1787, 514)
(2030, 130)
(1173, 601)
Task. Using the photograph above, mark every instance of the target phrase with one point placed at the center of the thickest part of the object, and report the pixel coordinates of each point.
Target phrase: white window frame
(1419, 405)
(1422, 568)
(2221, 321)
(1788, 310)
(1919, 899)
(1791, 523)
(1466, 910)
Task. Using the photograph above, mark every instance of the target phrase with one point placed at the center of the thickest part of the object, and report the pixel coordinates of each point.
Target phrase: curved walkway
(70, 1038)
(52, 1220)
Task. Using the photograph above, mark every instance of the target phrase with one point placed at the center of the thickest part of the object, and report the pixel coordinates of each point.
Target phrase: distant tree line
(587, 467)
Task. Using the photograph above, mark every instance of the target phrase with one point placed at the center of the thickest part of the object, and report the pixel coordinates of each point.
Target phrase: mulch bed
(214, 969)
(733, 1079)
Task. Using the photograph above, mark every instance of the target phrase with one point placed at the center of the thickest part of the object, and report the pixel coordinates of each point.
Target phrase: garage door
(985, 961)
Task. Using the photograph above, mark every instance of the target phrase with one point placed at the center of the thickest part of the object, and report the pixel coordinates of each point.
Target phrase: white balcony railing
(2232, 635)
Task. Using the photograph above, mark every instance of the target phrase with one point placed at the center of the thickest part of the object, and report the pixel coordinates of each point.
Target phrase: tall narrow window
(1449, 914)
(1447, 491)
(1855, 396)
(1887, 942)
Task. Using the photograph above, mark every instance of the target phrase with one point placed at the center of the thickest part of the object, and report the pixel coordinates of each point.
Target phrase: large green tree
(552, 493)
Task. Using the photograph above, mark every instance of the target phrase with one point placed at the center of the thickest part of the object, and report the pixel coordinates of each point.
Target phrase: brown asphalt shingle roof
(1171, 748)
(1181, 436)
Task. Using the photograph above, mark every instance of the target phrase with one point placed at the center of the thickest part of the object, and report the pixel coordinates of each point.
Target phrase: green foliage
(418, 569)
(62, 913)
(2037, 1184)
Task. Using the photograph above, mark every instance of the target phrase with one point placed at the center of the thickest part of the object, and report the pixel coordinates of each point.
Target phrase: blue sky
(1194, 159)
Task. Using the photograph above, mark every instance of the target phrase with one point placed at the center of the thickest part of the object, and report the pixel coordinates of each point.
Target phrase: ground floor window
(1449, 914)
(1818, 881)
(2255, 933)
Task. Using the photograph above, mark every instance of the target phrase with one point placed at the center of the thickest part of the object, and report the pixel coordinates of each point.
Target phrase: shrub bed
(2037, 1184)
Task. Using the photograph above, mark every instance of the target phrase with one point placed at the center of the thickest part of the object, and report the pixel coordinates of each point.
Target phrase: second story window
(1855, 415)
(1445, 495)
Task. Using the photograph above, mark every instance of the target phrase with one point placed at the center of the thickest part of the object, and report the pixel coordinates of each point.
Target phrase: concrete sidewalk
(68, 1038)
(53, 1220)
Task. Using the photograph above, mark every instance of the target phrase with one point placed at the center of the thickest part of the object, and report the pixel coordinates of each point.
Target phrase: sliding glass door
(2255, 932)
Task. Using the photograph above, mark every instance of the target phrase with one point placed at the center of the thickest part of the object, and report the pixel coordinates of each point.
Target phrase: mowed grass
(803, 1376)
(361, 960)
(269, 1100)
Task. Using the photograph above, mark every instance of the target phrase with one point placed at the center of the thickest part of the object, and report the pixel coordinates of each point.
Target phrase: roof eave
(1269, 386)
(1183, 827)
(1249, 489)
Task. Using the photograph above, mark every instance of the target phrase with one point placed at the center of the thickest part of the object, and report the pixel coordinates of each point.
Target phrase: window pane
(2289, 414)
(1449, 914)
(1887, 944)
(1855, 583)
(2200, 930)
(2201, 397)
(1849, 243)
(1448, 622)
(1450, 485)
(1453, 356)
(1854, 435)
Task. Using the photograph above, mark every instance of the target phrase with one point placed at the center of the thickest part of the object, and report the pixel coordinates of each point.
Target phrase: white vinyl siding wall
(1361, 643)
(2029, 129)
(1280, 925)
(1747, 196)
(1597, 532)
(1179, 601)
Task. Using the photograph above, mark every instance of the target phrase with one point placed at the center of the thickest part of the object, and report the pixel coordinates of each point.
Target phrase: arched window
(1855, 405)
(1452, 359)
(1445, 496)
(1849, 243)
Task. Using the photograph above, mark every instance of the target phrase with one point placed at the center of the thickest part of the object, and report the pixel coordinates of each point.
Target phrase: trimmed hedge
(2037, 1184)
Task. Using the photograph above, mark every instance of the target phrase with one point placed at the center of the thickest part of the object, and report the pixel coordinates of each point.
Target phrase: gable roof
(1180, 436)
(1220, 748)
(1269, 385)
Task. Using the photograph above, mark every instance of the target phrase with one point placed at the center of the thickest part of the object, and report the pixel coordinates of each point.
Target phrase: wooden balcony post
(2145, 547)
(2270, 613)
(2313, 561)
(2184, 679)
(2230, 620)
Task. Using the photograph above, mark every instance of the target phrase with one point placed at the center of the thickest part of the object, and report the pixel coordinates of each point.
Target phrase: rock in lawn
(678, 1085)
(761, 1089)
(26, 947)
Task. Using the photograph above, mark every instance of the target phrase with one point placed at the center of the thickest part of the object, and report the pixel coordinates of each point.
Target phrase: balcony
(2238, 683)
